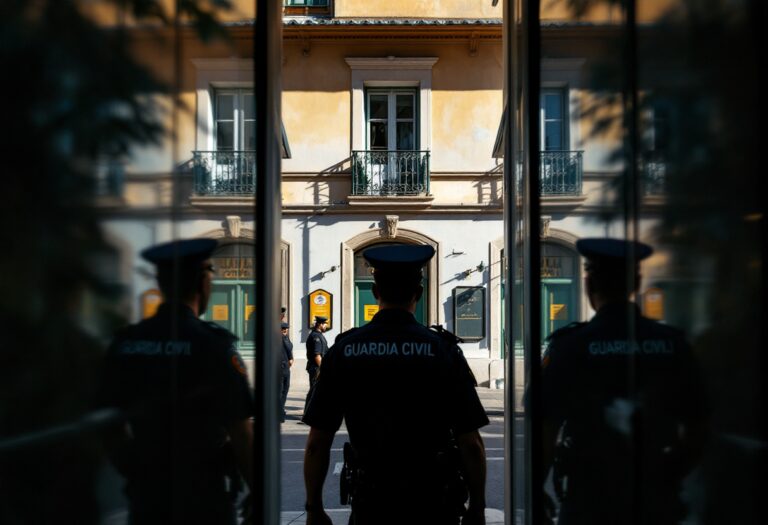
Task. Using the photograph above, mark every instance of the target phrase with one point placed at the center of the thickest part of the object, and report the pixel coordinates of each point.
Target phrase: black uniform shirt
(619, 398)
(286, 351)
(316, 345)
(180, 381)
(402, 389)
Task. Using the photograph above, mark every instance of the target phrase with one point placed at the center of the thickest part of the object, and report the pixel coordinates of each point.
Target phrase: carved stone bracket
(233, 224)
(544, 226)
(390, 226)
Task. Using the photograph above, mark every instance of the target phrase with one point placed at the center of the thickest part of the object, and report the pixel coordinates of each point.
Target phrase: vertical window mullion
(391, 120)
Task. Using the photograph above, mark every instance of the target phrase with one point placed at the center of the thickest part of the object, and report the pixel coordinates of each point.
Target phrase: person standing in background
(286, 363)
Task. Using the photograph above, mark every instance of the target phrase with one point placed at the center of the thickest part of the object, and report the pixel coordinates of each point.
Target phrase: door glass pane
(225, 106)
(249, 135)
(405, 136)
(378, 138)
(225, 136)
(405, 106)
(553, 106)
(378, 106)
(553, 138)
(249, 108)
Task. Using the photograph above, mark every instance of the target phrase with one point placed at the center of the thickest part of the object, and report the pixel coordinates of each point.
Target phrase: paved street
(294, 436)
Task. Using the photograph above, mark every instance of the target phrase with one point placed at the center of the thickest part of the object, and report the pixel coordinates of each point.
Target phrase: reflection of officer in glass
(410, 405)
(624, 394)
(286, 362)
(317, 347)
(184, 390)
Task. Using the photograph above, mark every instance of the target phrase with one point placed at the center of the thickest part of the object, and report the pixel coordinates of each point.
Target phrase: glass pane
(249, 135)
(553, 137)
(378, 138)
(225, 136)
(377, 106)
(405, 136)
(225, 106)
(405, 106)
(249, 108)
(553, 106)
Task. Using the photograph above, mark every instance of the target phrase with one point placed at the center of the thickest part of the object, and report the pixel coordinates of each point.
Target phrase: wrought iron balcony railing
(224, 172)
(561, 172)
(390, 172)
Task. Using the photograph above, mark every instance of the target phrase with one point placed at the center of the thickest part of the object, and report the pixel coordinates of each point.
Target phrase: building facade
(391, 114)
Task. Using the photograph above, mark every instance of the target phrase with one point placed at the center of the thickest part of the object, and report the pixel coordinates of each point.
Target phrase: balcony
(222, 173)
(561, 173)
(384, 173)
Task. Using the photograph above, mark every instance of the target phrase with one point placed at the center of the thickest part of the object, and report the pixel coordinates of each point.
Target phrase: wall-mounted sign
(220, 312)
(558, 312)
(653, 303)
(233, 267)
(469, 312)
(320, 304)
(150, 300)
(369, 310)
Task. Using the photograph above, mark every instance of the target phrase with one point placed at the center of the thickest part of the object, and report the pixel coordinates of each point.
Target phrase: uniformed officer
(317, 347)
(185, 394)
(408, 399)
(625, 395)
(286, 362)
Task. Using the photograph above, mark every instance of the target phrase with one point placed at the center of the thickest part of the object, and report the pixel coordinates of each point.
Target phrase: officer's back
(399, 377)
(184, 392)
(627, 392)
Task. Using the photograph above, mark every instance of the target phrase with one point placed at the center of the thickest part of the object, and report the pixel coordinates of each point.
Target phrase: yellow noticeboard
(249, 309)
(220, 312)
(653, 304)
(320, 305)
(369, 310)
(150, 300)
(558, 312)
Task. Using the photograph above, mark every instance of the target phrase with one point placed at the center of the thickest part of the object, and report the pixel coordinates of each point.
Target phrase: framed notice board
(321, 304)
(469, 312)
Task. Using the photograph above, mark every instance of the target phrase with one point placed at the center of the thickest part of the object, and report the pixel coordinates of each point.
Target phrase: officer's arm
(316, 459)
(472, 452)
(241, 434)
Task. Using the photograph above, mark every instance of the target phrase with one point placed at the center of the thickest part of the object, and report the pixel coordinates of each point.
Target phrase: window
(235, 124)
(391, 120)
(554, 119)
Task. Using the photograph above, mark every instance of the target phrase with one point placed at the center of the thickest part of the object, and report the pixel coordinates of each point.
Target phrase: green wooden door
(557, 305)
(364, 297)
(231, 306)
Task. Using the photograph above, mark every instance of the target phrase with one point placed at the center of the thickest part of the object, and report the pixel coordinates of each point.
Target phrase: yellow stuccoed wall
(418, 8)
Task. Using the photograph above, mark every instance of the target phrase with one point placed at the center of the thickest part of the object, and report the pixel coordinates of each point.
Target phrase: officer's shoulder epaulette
(567, 329)
(445, 334)
(344, 334)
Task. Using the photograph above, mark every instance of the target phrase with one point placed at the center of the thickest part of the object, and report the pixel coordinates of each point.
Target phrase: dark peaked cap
(320, 319)
(187, 251)
(400, 260)
(612, 250)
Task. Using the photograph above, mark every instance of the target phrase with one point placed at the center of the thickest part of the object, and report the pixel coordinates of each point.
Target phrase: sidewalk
(492, 400)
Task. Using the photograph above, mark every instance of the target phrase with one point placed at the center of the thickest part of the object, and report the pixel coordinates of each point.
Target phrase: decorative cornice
(391, 62)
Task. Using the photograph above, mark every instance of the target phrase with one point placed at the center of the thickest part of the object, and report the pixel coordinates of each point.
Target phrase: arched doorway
(349, 271)
(232, 303)
(365, 303)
